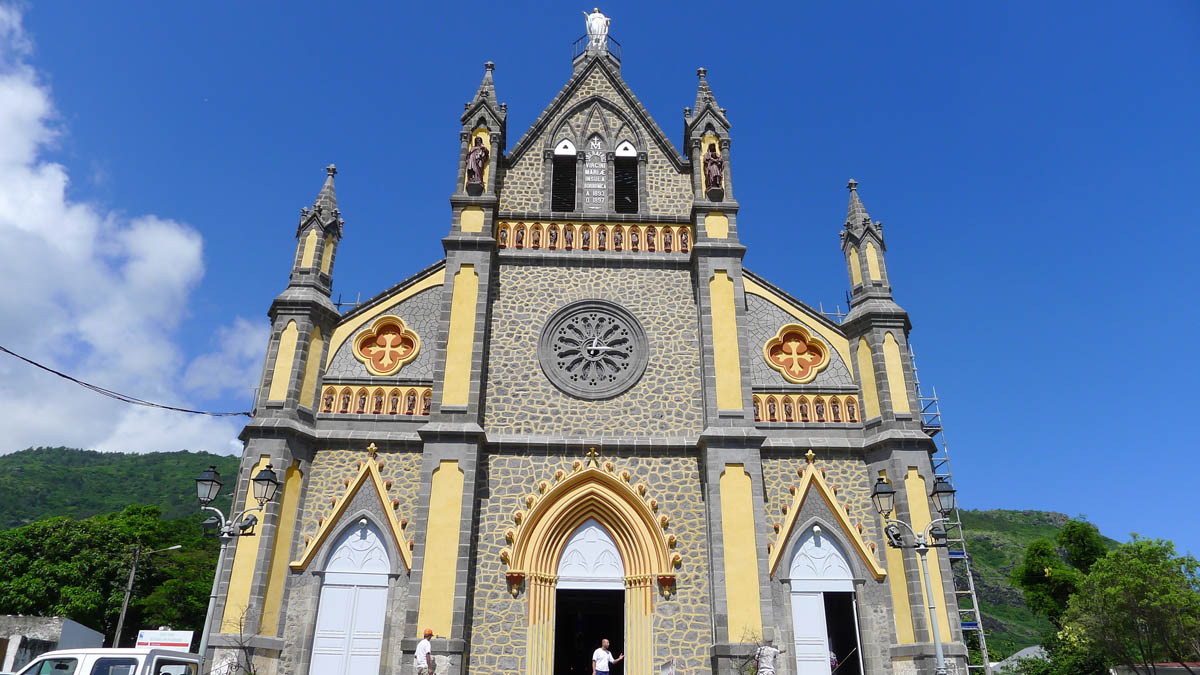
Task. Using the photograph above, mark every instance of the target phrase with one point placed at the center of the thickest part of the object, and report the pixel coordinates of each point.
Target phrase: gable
(431, 277)
(768, 309)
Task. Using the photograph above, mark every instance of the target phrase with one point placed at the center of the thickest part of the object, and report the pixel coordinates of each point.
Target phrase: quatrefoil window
(386, 346)
(796, 354)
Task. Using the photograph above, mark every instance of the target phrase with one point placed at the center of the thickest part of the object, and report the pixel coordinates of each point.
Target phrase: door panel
(810, 634)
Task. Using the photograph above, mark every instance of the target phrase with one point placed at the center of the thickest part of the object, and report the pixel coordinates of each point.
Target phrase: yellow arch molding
(368, 474)
(839, 342)
(812, 479)
(345, 330)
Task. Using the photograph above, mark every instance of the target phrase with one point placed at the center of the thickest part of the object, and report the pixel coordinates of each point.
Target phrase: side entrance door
(810, 633)
(348, 639)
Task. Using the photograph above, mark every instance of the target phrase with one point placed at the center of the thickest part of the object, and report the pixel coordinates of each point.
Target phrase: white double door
(349, 633)
(348, 639)
(810, 633)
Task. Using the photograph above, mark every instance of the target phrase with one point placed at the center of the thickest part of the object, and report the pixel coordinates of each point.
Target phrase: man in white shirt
(602, 659)
(423, 660)
(766, 657)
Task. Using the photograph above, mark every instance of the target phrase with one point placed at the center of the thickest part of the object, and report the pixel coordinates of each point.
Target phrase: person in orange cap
(423, 660)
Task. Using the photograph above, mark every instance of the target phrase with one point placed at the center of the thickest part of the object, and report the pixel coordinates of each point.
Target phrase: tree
(78, 569)
(1046, 581)
(1140, 604)
(1082, 543)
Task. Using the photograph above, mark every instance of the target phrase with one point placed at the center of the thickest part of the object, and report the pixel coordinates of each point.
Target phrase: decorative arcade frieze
(595, 237)
(360, 400)
(785, 407)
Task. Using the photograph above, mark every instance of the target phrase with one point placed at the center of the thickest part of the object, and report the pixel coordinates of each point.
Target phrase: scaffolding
(969, 616)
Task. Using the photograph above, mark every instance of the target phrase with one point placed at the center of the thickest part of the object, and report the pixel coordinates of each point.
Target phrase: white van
(98, 661)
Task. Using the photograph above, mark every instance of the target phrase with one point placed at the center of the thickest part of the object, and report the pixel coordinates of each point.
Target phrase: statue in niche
(633, 239)
(553, 237)
(835, 410)
(819, 406)
(787, 410)
(503, 237)
(568, 237)
(426, 401)
(850, 410)
(651, 235)
(714, 171)
(520, 240)
(378, 409)
(597, 29)
(362, 403)
(667, 239)
(587, 237)
(772, 411)
(327, 404)
(683, 240)
(477, 159)
(535, 239)
(618, 238)
(757, 412)
(346, 402)
(410, 403)
(601, 238)
(804, 412)
(394, 409)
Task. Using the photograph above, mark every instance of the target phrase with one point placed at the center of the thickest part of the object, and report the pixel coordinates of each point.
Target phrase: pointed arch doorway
(589, 600)
(824, 608)
(348, 638)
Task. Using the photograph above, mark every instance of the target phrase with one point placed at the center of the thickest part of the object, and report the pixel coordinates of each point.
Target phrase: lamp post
(208, 486)
(137, 554)
(884, 497)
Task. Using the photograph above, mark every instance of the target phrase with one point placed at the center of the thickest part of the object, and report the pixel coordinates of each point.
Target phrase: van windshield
(52, 667)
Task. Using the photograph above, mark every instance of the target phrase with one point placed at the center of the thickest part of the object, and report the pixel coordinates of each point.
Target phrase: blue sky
(1033, 164)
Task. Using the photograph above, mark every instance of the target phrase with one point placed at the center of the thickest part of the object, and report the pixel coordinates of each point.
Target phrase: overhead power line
(124, 398)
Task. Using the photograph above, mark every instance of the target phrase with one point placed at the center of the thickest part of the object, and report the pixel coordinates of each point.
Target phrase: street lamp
(884, 497)
(264, 485)
(137, 554)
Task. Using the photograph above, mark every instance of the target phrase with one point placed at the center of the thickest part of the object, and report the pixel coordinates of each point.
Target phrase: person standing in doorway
(766, 657)
(602, 659)
(423, 660)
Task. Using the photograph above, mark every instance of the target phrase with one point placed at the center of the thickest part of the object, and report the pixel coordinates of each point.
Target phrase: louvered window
(625, 176)
(563, 196)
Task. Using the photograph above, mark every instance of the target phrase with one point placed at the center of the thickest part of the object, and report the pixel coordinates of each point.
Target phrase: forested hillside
(43, 482)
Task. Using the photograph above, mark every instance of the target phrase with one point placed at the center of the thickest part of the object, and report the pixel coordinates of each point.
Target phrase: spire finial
(331, 171)
(852, 185)
(856, 213)
(593, 457)
(810, 456)
(701, 72)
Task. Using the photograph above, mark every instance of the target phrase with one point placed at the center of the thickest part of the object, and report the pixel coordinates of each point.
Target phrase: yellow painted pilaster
(310, 249)
(898, 585)
(471, 219)
(855, 267)
(638, 657)
(241, 574)
(327, 255)
(540, 658)
(281, 550)
(716, 225)
(873, 262)
(895, 374)
(918, 510)
(726, 358)
(441, 549)
(460, 345)
(282, 374)
(312, 368)
(866, 373)
(741, 558)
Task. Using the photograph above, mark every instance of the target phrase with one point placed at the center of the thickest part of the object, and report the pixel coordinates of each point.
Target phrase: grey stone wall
(681, 624)
(763, 321)
(666, 401)
(331, 469)
(524, 187)
(420, 314)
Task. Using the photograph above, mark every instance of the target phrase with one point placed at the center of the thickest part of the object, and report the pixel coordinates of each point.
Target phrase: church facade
(587, 421)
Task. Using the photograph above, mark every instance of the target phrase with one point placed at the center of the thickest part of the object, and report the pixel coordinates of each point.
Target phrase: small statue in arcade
(477, 159)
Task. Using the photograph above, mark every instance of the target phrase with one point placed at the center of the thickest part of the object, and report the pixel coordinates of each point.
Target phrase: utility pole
(137, 554)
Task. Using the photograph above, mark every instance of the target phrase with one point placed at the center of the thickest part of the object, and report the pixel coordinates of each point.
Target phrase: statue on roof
(597, 29)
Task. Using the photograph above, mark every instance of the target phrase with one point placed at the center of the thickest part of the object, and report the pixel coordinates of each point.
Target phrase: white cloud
(98, 295)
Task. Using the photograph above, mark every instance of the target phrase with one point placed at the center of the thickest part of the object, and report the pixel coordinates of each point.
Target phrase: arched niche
(590, 560)
(565, 147)
(626, 149)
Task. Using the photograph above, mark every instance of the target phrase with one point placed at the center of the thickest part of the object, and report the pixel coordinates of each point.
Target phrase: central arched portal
(589, 600)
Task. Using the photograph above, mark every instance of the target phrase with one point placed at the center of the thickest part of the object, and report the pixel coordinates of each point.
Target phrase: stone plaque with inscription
(595, 177)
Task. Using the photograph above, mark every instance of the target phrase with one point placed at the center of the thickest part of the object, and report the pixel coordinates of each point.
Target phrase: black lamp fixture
(943, 494)
(265, 485)
(208, 485)
(884, 496)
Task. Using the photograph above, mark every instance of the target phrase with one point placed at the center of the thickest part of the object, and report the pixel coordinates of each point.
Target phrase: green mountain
(43, 482)
(40, 483)
(996, 541)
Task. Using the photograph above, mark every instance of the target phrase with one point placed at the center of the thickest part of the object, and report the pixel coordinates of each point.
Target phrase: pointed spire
(704, 94)
(327, 198)
(487, 88)
(856, 214)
